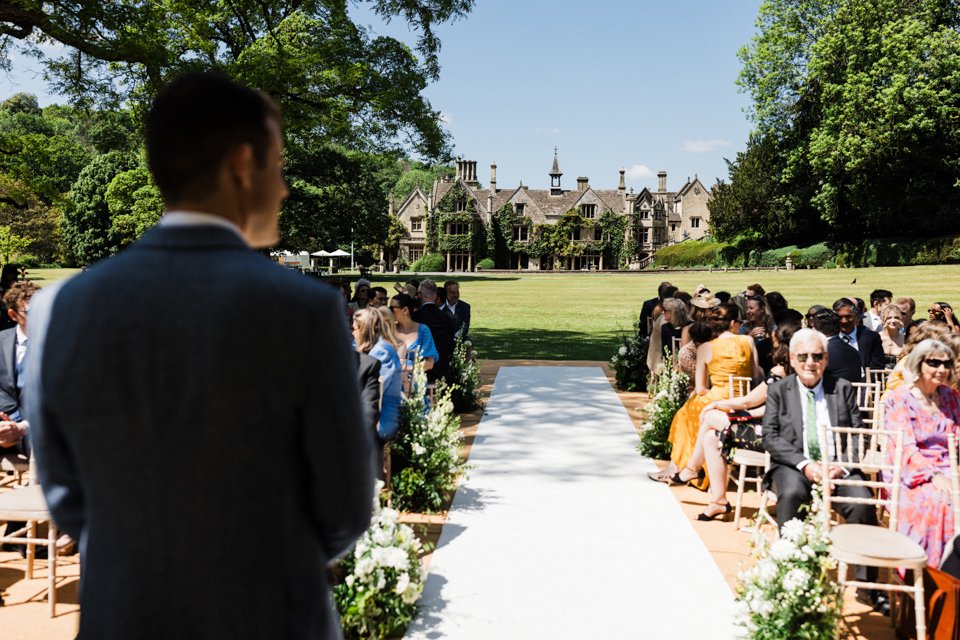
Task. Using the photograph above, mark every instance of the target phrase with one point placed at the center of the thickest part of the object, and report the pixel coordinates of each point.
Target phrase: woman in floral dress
(927, 410)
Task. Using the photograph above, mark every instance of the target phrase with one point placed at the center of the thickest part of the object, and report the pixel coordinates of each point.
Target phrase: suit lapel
(8, 355)
(793, 407)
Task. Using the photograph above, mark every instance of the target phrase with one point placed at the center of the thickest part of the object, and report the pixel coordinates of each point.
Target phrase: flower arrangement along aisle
(789, 591)
(668, 392)
(465, 372)
(630, 361)
(383, 580)
(427, 449)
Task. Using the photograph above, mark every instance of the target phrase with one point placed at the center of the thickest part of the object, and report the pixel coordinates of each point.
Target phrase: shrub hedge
(485, 264)
(429, 263)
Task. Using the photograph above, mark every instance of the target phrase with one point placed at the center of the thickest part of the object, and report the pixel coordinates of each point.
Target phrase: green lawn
(576, 316)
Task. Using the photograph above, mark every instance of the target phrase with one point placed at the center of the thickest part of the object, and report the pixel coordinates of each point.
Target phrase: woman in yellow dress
(727, 354)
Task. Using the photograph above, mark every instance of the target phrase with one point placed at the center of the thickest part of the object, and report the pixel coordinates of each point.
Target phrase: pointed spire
(555, 174)
(556, 165)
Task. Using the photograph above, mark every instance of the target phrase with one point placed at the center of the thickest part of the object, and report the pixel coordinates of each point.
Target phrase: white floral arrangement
(465, 372)
(427, 449)
(668, 392)
(383, 578)
(630, 361)
(789, 591)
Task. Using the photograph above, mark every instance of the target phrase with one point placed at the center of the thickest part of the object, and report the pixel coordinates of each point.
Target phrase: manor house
(546, 229)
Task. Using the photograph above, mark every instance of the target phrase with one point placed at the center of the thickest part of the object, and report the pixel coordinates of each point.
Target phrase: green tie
(813, 442)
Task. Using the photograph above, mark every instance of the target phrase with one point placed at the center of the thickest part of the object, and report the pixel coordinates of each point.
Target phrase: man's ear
(10, 314)
(240, 166)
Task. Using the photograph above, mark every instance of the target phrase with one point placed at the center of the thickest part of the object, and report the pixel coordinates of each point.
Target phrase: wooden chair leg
(52, 568)
(31, 549)
(918, 604)
(741, 482)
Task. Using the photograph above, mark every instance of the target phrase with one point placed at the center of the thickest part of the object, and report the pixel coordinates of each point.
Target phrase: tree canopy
(856, 105)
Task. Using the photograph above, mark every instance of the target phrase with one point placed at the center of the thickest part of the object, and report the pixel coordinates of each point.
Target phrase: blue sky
(638, 84)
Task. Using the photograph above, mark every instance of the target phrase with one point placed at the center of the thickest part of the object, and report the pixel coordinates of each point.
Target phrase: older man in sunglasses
(795, 407)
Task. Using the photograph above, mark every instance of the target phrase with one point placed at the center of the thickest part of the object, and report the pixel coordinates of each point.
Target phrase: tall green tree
(861, 100)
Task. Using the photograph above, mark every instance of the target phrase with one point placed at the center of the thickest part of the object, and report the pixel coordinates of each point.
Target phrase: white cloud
(639, 172)
(704, 146)
(446, 118)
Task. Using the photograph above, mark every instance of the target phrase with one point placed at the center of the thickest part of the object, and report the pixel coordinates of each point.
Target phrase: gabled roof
(413, 194)
(690, 184)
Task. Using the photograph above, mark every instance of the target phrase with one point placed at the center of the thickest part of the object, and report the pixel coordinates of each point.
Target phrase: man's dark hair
(450, 283)
(777, 302)
(879, 295)
(375, 290)
(827, 322)
(789, 316)
(844, 302)
(722, 296)
(193, 124)
(665, 290)
(757, 290)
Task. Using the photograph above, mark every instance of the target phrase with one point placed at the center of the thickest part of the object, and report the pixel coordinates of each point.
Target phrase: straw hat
(705, 302)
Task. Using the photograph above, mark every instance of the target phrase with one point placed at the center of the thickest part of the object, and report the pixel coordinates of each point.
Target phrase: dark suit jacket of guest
(783, 418)
(645, 312)
(870, 348)
(9, 394)
(441, 325)
(461, 317)
(167, 426)
(368, 376)
(844, 361)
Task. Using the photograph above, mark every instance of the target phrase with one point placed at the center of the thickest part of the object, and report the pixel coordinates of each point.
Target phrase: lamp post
(351, 248)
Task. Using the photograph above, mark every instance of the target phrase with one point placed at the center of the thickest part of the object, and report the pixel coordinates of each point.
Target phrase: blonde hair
(890, 309)
(388, 326)
(367, 322)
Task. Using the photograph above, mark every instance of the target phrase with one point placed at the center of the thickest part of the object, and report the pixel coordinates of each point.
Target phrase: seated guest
(865, 341)
(675, 319)
(728, 353)
(416, 338)
(795, 407)
(924, 331)
(844, 360)
(879, 298)
(777, 305)
(891, 333)
(374, 335)
(456, 307)
(926, 410)
(943, 312)
(441, 326)
(647, 315)
(378, 297)
(699, 306)
(361, 295)
(699, 332)
(730, 424)
(907, 307)
(759, 326)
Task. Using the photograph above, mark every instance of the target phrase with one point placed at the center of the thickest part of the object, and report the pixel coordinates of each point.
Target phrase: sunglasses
(816, 357)
(934, 363)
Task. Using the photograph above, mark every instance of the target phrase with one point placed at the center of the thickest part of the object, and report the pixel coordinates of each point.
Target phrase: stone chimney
(582, 183)
(467, 171)
(622, 187)
(493, 178)
(662, 182)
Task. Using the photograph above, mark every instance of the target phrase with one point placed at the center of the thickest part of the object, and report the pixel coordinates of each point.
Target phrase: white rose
(623, 351)
(403, 582)
(365, 567)
(792, 530)
(766, 571)
(350, 580)
(782, 549)
(795, 579)
(411, 594)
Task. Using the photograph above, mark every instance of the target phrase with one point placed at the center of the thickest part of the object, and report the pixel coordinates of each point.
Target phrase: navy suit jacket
(870, 348)
(441, 325)
(844, 361)
(461, 317)
(209, 466)
(9, 394)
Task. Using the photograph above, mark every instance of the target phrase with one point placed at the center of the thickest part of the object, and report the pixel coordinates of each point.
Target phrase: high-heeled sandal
(676, 479)
(705, 517)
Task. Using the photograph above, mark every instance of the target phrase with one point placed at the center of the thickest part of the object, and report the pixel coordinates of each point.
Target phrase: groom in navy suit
(168, 428)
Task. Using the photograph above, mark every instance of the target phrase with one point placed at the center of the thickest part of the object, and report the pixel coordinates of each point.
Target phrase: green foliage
(630, 361)
(428, 444)
(335, 197)
(668, 390)
(485, 264)
(87, 222)
(465, 372)
(899, 252)
(430, 263)
(29, 217)
(382, 579)
(691, 253)
(501, 244)
(134, 204)
(11, 244)
(418, 175)
(818, 255)
(857, 106)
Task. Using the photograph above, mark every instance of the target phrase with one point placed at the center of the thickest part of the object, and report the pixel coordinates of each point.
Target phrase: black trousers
(794, 490)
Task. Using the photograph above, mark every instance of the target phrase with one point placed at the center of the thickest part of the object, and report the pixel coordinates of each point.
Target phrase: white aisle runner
(558, 533)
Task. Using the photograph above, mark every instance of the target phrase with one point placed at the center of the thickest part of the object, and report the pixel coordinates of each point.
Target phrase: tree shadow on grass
(544, 344)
